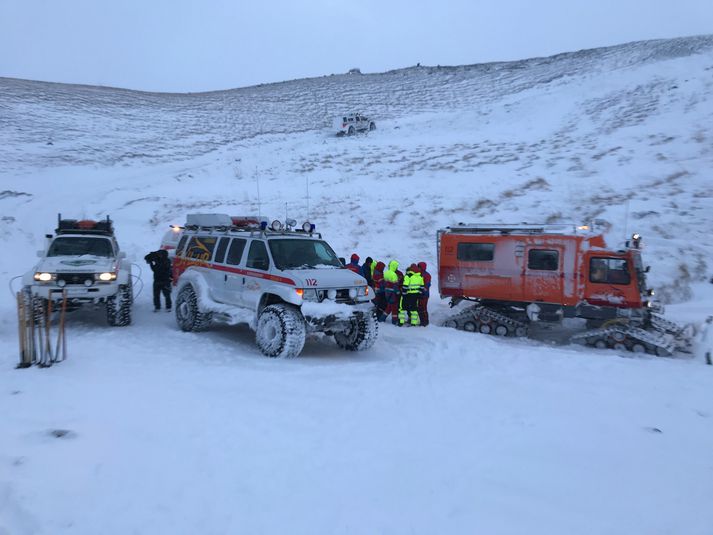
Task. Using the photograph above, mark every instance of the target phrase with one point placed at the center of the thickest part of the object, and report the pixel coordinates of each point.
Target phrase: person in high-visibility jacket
(392, 291)
(412, 289)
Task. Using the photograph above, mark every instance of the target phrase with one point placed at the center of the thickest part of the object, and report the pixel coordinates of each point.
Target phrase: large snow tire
(361, 335)
(189, 317)
(118, 307)
(281, 331)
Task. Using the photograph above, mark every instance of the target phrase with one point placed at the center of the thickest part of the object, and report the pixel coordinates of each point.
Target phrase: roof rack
(251, 231)
(103, 227)
(522, 228)
(222, 223)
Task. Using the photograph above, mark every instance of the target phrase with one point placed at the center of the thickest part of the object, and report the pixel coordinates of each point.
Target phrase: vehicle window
(220, 252)
(543, 259)
(257, 257)
(235, 253)
(201, 247)
(609, 270)
(476, 252)
(181, 245)
(80, 245)
(302, 254)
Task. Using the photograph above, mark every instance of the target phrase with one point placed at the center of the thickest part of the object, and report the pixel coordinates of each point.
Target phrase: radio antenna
(626, 221)
(307, 186)
(257, 179)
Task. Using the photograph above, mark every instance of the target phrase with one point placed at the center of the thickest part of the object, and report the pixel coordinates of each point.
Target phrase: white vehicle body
(235, 274)
(87, 267)
(350, 124)
(170, 240)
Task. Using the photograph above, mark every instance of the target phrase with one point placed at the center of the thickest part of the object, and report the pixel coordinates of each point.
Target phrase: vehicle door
(234, 275)
(216, 276)
(610, 280)
(544, 275)
(257, 268)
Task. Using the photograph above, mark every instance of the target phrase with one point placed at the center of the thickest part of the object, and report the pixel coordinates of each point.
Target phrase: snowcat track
(633, 339)
(683, 336)
(486, 321)
(664, 338)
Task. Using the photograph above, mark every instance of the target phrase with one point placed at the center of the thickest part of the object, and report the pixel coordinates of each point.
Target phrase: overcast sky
(199, 45)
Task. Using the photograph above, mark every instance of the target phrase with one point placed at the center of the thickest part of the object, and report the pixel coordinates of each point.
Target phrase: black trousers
(161, 288)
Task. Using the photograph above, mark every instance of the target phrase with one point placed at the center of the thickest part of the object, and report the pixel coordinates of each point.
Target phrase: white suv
(284, 283)
(352, 123)
(83, 261)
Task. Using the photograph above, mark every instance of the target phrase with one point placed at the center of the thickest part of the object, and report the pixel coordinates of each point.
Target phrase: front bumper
(76, 293)
(330, 323)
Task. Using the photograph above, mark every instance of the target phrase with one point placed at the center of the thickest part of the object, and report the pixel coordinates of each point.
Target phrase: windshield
(78, 246)
(302, 254)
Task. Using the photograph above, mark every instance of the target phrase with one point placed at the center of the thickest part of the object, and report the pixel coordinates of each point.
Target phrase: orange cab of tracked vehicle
(560, 265)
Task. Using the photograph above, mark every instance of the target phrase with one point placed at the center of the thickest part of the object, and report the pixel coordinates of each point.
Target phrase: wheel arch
(194, 279)
(270, 299)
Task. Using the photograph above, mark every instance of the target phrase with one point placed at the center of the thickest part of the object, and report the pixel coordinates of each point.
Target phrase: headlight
(310, 294)
(43, 276)
(105, 277)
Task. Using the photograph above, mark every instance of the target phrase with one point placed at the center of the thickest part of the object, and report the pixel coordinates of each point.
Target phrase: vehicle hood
(76, 264)
(325, 278)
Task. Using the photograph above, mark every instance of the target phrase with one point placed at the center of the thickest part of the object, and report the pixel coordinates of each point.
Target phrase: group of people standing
(404, 298)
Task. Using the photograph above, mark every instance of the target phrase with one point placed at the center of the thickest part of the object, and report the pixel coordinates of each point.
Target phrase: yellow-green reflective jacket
(413, 282)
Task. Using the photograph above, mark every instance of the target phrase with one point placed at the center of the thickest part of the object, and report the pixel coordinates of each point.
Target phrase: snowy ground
(432, 430)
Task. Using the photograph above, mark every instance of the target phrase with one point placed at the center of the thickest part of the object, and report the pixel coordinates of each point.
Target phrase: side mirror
(122, 254)
(40, 253)
(648, 268)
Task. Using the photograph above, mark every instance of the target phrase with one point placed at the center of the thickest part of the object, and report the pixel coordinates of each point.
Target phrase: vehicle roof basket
(523, 228)
(222, 223)
(103, 227)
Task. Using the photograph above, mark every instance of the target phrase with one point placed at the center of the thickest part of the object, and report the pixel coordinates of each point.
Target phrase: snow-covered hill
(434, 431)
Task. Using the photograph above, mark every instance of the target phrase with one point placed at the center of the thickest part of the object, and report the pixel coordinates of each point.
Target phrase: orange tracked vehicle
(518, 274)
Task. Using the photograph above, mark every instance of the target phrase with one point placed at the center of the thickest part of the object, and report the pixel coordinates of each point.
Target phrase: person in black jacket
(161, 266)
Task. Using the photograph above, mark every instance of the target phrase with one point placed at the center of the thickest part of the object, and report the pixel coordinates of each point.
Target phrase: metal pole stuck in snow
(25, 342)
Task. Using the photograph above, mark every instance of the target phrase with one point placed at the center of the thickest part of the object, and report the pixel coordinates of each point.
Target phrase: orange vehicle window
(609, 270)
(476, 252)
(201, 248)
(543, 259)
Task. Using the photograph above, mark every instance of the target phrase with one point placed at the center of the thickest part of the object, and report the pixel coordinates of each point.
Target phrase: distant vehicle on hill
(352, 123)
